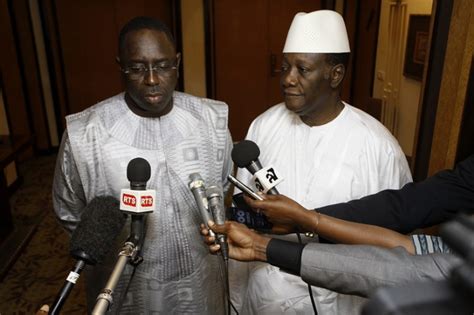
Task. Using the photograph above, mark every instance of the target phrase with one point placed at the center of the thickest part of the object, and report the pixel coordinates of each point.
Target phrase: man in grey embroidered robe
(178, 134)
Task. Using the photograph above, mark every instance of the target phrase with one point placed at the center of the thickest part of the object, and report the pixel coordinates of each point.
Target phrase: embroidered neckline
(146, 132)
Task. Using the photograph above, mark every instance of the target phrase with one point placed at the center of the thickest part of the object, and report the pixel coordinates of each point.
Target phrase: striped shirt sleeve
(429, 244)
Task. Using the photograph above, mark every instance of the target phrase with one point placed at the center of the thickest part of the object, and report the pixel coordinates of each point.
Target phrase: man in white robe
(178, 134)
(327, 152)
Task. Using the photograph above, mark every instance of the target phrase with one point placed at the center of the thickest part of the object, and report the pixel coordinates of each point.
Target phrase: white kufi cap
(321, 31)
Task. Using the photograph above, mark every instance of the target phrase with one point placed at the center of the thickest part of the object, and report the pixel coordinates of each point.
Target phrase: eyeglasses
(136, 72)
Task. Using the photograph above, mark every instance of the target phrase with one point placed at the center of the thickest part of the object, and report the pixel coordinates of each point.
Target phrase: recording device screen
(243, 213)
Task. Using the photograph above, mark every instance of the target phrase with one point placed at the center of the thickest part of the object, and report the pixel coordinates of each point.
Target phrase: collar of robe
(149, 133)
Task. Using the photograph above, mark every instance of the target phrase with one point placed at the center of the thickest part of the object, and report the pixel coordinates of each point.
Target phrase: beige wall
(194, 70)
(409, 89)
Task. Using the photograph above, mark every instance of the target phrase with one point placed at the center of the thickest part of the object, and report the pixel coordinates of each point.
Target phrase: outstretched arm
(244, 244)
(348, 269)
(289, 216)
(417, 205)
(360, 269)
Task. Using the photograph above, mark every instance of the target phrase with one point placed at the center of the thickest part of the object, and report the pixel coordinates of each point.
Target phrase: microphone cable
(201, 196)
(224, 273)
(310, 290)
(125, 291)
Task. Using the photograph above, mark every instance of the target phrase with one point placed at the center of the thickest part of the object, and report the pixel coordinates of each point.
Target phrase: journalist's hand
(287, 215)
(244, 244)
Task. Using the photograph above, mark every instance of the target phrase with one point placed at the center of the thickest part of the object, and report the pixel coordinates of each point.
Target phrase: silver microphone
(216, 205)
(199, 191)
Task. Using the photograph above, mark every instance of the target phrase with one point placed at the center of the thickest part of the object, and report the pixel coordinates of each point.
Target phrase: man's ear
(178, 62)
(337, 74)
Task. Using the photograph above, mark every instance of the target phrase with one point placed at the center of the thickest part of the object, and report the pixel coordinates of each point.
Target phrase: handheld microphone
(216, 205)
(199, 191)
(245, 155)
(101, 222)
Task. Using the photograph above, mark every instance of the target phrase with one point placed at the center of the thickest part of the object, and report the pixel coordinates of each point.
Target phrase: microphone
(101, 222)
(245, 155)
(136, 201)
(216, 205)
(199, 191)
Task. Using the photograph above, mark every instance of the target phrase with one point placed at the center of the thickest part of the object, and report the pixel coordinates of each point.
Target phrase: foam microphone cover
(244, 153)
(138, 170)
(101, 222)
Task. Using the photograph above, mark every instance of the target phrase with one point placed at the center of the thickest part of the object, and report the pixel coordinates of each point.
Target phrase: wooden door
(11, 85)
(362, 22)
(248, 39)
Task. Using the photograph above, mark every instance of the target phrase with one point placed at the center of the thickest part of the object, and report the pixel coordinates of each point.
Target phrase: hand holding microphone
(211, 206)
(216, 206)
(243, 243)
(286, 215)
(199, 192)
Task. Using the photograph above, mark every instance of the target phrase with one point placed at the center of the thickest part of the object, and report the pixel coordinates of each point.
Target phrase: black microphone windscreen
(101, 222)
(138, 170)
(245, 152)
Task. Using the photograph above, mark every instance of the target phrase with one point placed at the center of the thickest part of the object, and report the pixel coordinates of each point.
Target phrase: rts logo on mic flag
(137, 201)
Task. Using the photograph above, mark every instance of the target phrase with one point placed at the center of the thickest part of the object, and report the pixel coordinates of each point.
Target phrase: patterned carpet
(39, 272)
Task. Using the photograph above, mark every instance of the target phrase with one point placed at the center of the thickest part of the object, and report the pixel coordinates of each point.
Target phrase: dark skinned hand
(244, 244)
(287, 215)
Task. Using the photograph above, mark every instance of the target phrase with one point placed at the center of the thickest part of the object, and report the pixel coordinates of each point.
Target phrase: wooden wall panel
(241, 64)
(55, 62)
(350, 19)
(457, 65)
(432, 79)
(246, 35)
(15, 104)
(29, 71)
(364, 54)
(88, 36)
(466, 137)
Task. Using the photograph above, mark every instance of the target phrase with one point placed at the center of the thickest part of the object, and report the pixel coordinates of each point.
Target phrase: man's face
(149, 92)
(305, 82)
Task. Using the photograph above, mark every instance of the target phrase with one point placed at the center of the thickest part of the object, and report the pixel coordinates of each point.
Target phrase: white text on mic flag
(266, 178)
(138, 201)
